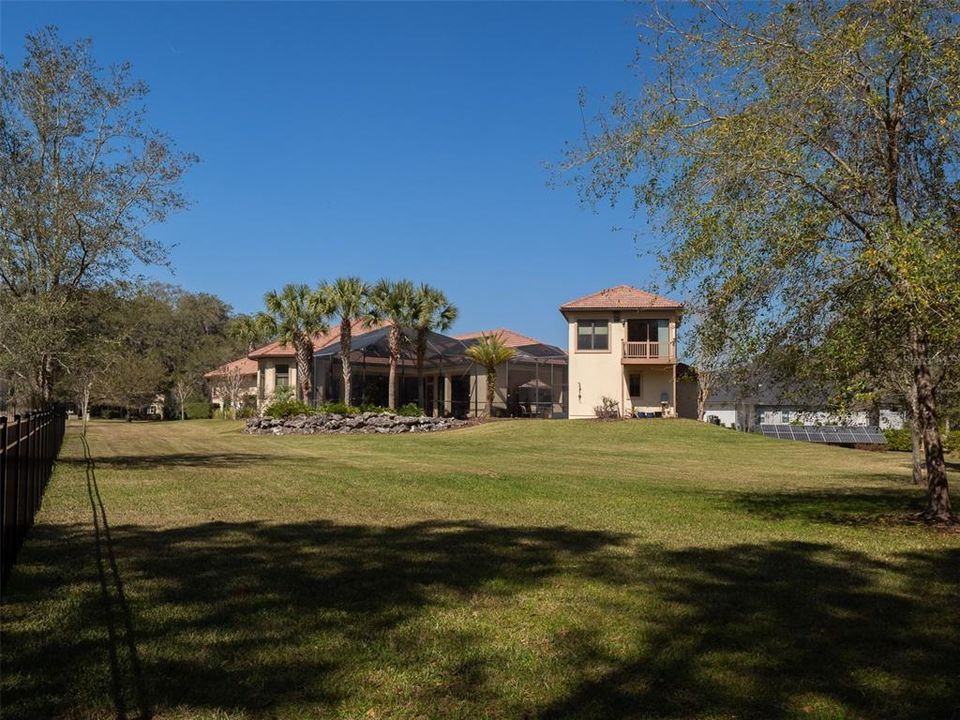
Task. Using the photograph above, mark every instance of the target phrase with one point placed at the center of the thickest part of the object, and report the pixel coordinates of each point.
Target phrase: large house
(623, 346)
(533, 383)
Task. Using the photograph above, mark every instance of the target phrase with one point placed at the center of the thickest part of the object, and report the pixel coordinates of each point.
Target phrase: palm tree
(490, 351)
(346, 297)
(249, 330)
(294, 315)
(431, 312)
(392, 302)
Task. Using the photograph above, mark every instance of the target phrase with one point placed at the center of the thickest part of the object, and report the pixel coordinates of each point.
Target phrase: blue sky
(385, 140)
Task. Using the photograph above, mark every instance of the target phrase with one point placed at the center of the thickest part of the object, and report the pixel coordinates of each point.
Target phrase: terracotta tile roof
(320, 341)
(245, 365)
(621, 297)
(510, 338)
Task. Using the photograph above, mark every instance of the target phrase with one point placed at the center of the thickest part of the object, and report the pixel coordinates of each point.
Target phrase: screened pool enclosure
(532, 384)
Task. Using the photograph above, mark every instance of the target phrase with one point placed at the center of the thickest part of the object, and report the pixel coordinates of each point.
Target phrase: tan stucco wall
(267, 374)
(597, 373)
(654, 381)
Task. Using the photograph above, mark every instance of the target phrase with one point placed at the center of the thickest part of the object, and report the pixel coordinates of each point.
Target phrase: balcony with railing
(637, 353)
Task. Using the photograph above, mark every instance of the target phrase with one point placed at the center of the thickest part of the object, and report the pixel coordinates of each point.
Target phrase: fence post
(31, 471)
(45, 456)
(34, 464)
(21, 478)
(18, 481)
(4, 502)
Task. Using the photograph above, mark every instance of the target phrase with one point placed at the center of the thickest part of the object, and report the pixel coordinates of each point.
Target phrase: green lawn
(522, 569)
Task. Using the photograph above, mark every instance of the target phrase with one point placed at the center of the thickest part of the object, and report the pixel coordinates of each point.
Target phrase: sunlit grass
(513, 569)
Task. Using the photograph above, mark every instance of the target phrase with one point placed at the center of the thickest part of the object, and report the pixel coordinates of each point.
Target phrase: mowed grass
(517, 569)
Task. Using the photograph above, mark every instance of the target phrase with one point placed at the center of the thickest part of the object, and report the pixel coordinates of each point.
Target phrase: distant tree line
(82, 179)
(119, 347)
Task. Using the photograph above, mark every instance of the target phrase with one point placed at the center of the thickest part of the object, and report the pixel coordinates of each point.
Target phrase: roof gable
(244, 365)
(320, 341)
(621, 297)
(510, 337)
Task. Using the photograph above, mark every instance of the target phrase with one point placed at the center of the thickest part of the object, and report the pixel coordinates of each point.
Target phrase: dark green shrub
(410, 410)
(287, 407)
(339, 408)
(951, 441)
(899, 440)
(198, 410)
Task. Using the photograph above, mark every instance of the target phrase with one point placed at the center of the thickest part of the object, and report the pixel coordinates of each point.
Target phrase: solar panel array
(830, 434)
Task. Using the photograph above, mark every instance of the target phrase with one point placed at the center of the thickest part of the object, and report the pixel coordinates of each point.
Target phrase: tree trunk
(938, 492)
(916, 438)
(392, 383)
(346, 343)
(84, 407)
(40, 397)
(304, 351)
(491, 388)
(394, 360)
(704, 385)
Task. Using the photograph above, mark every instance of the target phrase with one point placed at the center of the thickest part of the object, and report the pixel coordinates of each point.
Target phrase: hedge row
(289, 407)
(900, 441)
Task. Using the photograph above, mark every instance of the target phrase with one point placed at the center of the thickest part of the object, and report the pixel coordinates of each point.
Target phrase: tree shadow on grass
(878, 506)
(185, 460)
(308, 619)
(251, 616)
(785, 629)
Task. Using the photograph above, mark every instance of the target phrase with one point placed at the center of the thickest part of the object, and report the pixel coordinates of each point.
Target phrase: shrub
(608, 409)
(370, 408)
(339, 408)
(198, 410)
(898, 440)
(410, 410)
(287, 407)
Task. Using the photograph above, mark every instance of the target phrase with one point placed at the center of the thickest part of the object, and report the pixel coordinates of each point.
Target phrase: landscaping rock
(365, 423)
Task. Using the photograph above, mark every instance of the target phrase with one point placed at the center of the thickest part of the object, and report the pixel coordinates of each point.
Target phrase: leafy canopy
(490, 351)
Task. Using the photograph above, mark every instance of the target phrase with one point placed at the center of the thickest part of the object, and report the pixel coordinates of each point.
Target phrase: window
(634, 382)
(785, 417)
(283, 375)
(593, 335)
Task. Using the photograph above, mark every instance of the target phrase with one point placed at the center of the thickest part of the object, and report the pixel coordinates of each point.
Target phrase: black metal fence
(29, 445)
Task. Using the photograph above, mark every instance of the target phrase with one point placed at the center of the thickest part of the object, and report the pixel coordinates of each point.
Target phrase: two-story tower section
(623, 345)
